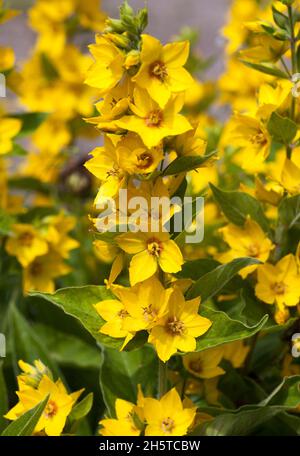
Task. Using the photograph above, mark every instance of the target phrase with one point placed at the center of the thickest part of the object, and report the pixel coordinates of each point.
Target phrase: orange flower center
(258, 138)
(279, 288)
(158, 70)
(175, 326)
(123, 313)
(154, 247)
(26, 239)
(167, 425)
(36, 268)
(149, 313)
(196, 365)
(154, 118)
(51, 409)
(253, 250)
(145, 160)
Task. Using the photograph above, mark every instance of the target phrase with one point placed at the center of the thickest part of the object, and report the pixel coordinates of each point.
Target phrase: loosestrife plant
(96, 277)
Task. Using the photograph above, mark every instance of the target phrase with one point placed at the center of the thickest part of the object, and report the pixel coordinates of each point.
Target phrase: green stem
(162, 378)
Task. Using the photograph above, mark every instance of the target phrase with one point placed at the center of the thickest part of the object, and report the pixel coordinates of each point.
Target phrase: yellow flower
(41, 273)
(178, 329)
(246, 241)
(151, 122)
(9, 128)
(145, 303)
(107, 70)
(236, 352)
(204, 364)
(113, 106)
(105, 165)
(7, 58)
(162, 72)
(150, 251)
(251, 136)
(279, 284)
(135, 158)
(115, 314)
(124, 425)
(290, 177)
(26, 243)
(58, 407)
(167, 416)
(265, 48)
(57, 229)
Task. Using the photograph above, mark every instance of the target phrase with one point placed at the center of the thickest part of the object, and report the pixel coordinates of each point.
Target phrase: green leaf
(225, 329)
(49, 69)
(212, 283)
(4, 398)
(122, 372)
(286, 395)
(82, 409)
(79, 303)
(289, 212)
(25, 424)
(280, 19)
(236, 206)
(195, 269)
(187, 163)
(68, 350)
(25, 343)
(282, 129)
(18, 151)
(29, 183)
(267, 69)
(243, 422)
(30, 122)
(6, 222)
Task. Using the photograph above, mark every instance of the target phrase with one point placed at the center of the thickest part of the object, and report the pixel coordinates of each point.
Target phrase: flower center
(259, 139)
(145, 160)
(279, 288)
(154, 118)
(154, 247)
(36, 268)
(196, 365)
(253, 250)
(51, 409)
(115, 171)
(123, 313)
(175, 327)
(26, 239)
(149, 313)
(167, 425)
(158, 70)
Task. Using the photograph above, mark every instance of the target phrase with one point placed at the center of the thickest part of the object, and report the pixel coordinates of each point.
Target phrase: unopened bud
(119, 40)
(132, 59)
(115, 25)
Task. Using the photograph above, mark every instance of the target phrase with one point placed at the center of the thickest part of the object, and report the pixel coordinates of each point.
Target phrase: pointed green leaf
(79, 303)
(238, 205)
(25, 424)
(282, 129)
(82, 409)
(211, 283)
(187, 163)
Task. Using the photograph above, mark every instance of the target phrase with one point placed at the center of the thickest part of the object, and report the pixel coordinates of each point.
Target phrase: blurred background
(166, 19)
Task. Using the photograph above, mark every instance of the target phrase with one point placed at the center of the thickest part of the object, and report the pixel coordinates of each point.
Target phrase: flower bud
(132, 59)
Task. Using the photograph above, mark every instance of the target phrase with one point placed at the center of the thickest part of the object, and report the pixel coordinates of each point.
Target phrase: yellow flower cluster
(168, 416)
(35, 385)
(41, 250)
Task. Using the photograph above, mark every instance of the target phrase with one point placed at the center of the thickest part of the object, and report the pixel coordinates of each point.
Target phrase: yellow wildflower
(26, 243)
(162, 72)
(167, 416)
(150, 251)
(178, 329)
(204, 364)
